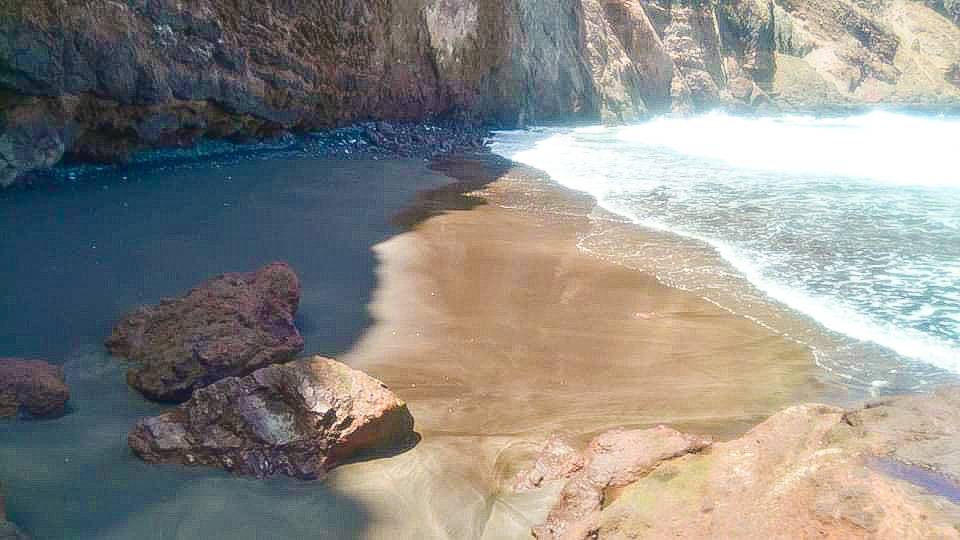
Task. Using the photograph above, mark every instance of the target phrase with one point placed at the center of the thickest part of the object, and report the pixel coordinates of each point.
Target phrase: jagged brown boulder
(228, 326)
(32, 387)
(887, 470)
(298, 419)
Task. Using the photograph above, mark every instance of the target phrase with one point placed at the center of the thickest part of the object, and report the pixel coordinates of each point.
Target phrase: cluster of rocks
(386, 140)
(228, 350)
(889, 469)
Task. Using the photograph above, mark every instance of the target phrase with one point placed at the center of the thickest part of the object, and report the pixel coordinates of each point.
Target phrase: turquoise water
(78, 254)
(853, 222)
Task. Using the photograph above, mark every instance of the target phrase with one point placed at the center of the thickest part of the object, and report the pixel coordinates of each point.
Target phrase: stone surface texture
(33, 388)
(889, 470)
(299, 419)
(228, 326)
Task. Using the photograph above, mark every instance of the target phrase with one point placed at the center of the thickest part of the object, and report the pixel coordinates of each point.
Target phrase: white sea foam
(851, 221)
(895, 148)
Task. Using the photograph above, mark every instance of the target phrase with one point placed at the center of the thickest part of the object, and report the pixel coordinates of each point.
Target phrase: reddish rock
(32, 387)
(614, 459)
(887, 470)
(298, 419)
(229, 326)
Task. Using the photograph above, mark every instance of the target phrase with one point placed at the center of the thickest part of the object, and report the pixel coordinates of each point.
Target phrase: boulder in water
(298, 419)
(32, 387)
(228, 326)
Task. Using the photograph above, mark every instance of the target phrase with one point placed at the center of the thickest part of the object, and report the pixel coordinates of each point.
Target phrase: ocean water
(853, 223)
(77, 254)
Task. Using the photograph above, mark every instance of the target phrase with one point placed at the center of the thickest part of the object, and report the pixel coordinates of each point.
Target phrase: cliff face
(99, 79)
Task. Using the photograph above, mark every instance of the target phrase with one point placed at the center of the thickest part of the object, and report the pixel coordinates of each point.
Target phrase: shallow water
(853, 222)
(79, 254)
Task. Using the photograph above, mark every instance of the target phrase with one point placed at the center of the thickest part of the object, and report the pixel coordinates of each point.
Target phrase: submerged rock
(32, 387)
(229, 326)
(886, 470)
(299, 419)
(8, 531)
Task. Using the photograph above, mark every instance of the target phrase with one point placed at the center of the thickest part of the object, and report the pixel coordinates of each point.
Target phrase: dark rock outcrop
(299, 419)
(887, 470)
(33, 388)
(228, 326)
(99, 80)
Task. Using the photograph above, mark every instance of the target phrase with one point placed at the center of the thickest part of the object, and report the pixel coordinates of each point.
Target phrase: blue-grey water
(78, 253)
(852, 222)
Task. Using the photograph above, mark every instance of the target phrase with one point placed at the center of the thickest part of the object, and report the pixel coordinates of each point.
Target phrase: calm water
(854, 222)
(78, 254)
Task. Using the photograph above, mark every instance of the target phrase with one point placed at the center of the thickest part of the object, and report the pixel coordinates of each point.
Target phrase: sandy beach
(499, 331)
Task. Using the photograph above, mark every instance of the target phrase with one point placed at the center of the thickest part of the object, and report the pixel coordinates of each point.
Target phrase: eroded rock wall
(100, 79)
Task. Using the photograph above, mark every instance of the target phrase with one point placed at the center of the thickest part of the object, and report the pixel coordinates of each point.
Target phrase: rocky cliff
(100, 79)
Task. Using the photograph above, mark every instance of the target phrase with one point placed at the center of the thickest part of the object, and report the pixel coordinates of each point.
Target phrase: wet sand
(498, 330)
